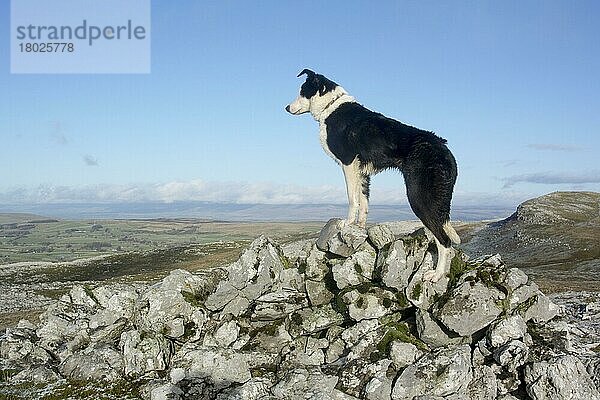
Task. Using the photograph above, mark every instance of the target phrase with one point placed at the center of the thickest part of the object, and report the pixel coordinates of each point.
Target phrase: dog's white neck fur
(321, 107)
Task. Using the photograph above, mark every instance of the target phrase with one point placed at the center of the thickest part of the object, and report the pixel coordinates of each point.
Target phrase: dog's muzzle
(287, 108)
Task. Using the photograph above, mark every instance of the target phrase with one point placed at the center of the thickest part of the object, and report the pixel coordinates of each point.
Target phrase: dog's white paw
(432, 276)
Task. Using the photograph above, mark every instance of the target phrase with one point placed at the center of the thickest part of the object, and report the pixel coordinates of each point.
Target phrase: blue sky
(513, 86)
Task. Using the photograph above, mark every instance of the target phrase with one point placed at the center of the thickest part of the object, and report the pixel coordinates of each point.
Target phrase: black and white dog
(364, 143)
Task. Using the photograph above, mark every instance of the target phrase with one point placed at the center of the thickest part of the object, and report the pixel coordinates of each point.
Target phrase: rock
(167, 391)
(483, 386)
(444, 372)
(38, 375)
(304, 352)
(365, 380)
(352, 335)
(515, 278)
(277, 305)
(354, 270)
(512, 355)
(61, 322)
(96, 364)
(420, 293)
(542, 309)
(471, 308)
(318, 294)
(403, 354)
(221, 367)
(224, 336)
(144, 353)
(392, 266)
(249, 277)
(375, 303)
(301, 384)
(289, 279)
(430, 332)
(297, 252)
(340, 238)
(316, 266)
(380, 235)
(296, 322)
(160, 306)
(561, 378)
(19, 346)
(522, 295)
(308, 321)
(254, 389)
(506, 329)
(366, 345)
(82, 297)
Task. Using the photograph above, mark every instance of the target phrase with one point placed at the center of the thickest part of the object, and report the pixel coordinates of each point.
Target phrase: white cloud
(231, 192)
(553, 178)
(90, 161)
(553, 147)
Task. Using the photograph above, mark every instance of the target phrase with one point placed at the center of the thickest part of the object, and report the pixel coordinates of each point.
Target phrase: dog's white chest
(323, 139)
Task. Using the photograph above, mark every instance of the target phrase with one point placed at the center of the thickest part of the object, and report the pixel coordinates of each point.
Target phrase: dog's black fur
(429, 168)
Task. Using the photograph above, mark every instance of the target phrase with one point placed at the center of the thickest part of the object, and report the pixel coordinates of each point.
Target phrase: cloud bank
(553, 147)
(553, 178)
(233, 193)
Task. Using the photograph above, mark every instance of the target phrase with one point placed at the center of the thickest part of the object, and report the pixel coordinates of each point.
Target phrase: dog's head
(316, 93)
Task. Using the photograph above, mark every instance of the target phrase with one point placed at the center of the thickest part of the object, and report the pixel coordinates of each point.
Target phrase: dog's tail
(449, 230)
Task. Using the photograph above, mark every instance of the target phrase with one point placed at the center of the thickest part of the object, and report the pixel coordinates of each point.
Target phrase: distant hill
(240, 212)
(18, 218)
(555, 238)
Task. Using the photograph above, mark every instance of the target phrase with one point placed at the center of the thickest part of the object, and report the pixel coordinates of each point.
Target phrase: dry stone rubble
(347, 316)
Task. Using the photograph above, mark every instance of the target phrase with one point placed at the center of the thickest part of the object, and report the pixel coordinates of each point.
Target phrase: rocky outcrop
(345, 317)
(549, 237)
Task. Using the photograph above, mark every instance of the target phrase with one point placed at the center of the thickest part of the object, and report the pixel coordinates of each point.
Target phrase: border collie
(364, 143)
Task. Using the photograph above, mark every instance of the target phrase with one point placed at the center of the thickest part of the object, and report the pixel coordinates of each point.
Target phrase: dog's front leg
(363, 200)
(353, 188)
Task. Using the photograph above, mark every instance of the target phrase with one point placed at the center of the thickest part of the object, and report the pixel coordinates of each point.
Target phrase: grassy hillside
(555, 238)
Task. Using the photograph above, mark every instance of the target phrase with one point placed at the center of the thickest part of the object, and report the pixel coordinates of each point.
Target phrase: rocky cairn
(348, 316)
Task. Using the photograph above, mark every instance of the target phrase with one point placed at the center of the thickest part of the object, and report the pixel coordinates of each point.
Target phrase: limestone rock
(144, 353)
(340, 238)
(317, 292)
(97, 364)
(430, 332)
(380, 235)
(420, 293)
(344, 318)
(403, 354)
(562, 378)
(393, 267)
(301, 384)
(444, 372)
(374, 303)
(483, 386)
(254, 389)
(221, 366)
(506, 329)
(354, 270)
(471, 308)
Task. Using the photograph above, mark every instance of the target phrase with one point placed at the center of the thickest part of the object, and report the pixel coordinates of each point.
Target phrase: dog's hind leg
(429, 193)
(353, 188)
(443, 263)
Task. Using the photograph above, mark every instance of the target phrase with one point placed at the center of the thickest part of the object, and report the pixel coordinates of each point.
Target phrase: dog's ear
(323, 89)
(308, 73)
(325, 85)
